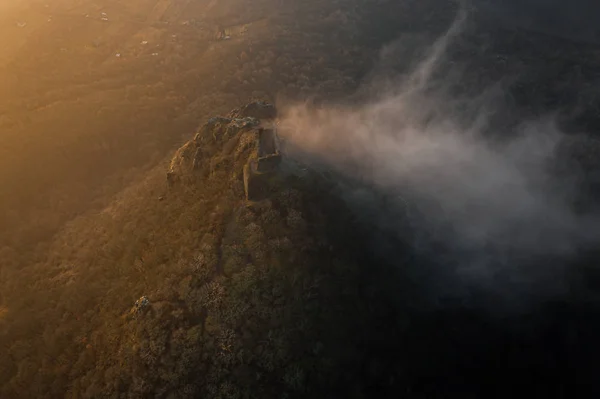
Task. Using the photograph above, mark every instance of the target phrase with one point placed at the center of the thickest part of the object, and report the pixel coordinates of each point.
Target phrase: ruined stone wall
(267, 142)
(258, 171)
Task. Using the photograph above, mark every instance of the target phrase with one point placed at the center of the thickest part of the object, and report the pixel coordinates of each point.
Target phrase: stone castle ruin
(260, 170)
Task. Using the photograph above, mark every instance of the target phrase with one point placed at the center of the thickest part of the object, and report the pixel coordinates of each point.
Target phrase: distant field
(82, 83)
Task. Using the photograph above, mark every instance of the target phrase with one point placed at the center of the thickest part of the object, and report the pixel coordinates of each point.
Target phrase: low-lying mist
(494, 199)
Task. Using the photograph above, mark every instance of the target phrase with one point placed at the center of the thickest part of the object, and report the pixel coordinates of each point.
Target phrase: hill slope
(243, 296)
(185, 288)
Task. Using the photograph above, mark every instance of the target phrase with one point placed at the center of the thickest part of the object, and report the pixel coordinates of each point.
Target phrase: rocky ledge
(244, 146)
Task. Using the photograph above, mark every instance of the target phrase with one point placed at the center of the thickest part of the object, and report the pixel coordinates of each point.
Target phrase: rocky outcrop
(140, 306)
(258, 109)
(243, 146)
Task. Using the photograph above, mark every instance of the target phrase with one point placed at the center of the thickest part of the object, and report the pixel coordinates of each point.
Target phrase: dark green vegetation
(262, 299)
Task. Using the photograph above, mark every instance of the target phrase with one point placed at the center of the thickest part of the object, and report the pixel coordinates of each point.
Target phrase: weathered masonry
(260, 169)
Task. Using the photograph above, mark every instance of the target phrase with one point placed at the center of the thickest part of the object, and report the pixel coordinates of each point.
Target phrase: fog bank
(503, 214)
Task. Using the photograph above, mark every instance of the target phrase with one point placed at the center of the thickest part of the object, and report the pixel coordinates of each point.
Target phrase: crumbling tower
(263, 165)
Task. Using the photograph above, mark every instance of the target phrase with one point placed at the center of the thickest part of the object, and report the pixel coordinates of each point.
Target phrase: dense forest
(114, 283)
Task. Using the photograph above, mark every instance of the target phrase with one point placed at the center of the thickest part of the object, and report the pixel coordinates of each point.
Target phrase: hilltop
(238, 271)
(199, 285)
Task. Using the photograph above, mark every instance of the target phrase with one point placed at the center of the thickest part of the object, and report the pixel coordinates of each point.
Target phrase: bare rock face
(243, 145)
(182, 162)
(208, 142)
(140, 306)
(219, 128)
(258, 109)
